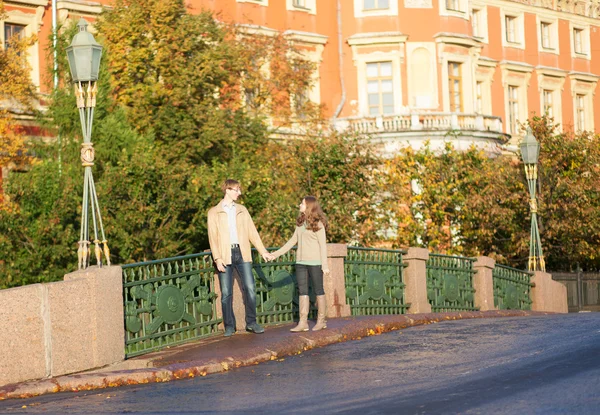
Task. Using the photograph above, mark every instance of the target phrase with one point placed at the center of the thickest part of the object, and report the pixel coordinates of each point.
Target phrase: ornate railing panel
(450, 283)
(512, 288)
(374, 281)
(167, 302)
(276, 289)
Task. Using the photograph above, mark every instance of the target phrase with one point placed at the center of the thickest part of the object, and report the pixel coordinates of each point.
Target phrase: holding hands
(268, 257)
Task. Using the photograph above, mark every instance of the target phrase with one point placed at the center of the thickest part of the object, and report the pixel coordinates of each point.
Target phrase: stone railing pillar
(415, 278)
(335, 286)
(106, 316)
(62, 327)
(547, 294)
(483, 283)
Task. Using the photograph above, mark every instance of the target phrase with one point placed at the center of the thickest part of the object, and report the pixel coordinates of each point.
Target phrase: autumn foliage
(186, 101)
(17, 95)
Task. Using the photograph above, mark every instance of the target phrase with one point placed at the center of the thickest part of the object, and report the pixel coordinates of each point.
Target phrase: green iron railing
(512, 288)
(374, 281)
(167, 302)
(172, 301)
(450, 283)
(276, 291)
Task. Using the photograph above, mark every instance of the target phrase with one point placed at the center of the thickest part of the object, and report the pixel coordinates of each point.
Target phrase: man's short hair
(230, 184)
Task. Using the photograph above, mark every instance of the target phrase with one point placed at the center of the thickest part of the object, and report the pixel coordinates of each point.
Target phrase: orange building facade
(405, 71)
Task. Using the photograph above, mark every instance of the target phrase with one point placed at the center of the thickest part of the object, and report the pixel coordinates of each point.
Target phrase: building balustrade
(441, 121)
(579, 7)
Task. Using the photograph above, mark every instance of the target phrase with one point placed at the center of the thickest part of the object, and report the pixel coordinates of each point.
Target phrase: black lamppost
(84, 55)
(530, 151)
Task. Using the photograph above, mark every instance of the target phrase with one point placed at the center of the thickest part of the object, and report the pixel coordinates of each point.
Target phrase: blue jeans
(244, 270)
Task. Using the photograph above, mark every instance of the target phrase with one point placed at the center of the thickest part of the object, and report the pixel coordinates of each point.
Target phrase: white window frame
(516, 75)
(462, 10)
(381, 78)
(513, 129)
(484, 74)
(479, 12)
(584, 84)
(467, 61)
(519, 29)
(552, 79)
(318, 42)
(363, 96)
(310, 6)
(359, 10)
(585, 40)
(32, 22)
(370, 41)
(552, 34)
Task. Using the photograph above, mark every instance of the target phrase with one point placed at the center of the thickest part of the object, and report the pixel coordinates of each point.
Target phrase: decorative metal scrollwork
(511, 297)
(281, 290)
(167, 303)
(450, 288)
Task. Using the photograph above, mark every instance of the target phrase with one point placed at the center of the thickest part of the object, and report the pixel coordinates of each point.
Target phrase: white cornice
(252, 29)
(516, 66)
(376, 38)
(548, 71)
(584, 76)
(306, 37)
(485, 61)
(30, 3)
(457, 39)
(87, 7)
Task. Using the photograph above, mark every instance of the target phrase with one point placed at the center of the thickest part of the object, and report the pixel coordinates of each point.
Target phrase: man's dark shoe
(255, 328)
(229, 331)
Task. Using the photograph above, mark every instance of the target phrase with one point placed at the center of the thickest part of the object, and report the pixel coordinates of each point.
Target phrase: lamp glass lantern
(84, 55)
(530, 148)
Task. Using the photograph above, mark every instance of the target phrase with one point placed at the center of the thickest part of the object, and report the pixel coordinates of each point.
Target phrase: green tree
(569, 196)
(456, 202)
(17, 94)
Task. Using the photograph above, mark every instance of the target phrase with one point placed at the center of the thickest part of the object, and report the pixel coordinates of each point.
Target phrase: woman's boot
(304, 305)
(322, 306)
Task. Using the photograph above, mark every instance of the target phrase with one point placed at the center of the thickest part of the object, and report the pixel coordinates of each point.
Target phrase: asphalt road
(524, 365)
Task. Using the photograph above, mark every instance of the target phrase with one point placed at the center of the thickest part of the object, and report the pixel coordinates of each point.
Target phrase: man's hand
(326, 273)
(220, 265)
(268, 257)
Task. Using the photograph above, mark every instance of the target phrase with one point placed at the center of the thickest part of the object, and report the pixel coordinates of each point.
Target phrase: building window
(479, 97)
(578, 41)
(511, 29)
(11, 30)
(299, 3)
(455, 86)
(513, 108)
(580, 111)
(476, 22)
(548, 105)
(380, 89)
(376, 4)
(452, 5)
(545, 35)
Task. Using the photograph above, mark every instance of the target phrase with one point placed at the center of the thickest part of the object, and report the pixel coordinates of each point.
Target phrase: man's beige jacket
(218, 233)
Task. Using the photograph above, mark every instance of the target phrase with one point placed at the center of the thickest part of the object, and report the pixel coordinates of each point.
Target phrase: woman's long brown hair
(312, 215)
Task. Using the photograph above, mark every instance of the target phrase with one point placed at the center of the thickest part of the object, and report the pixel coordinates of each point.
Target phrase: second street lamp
(530, 151)
(84, 55)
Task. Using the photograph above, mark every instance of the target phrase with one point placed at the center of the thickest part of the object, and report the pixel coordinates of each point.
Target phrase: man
(230, 231)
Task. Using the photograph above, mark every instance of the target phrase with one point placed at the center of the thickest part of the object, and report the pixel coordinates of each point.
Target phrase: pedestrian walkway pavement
(219, 354)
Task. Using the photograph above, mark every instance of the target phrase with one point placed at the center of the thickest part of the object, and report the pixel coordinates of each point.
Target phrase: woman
(311, 259)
